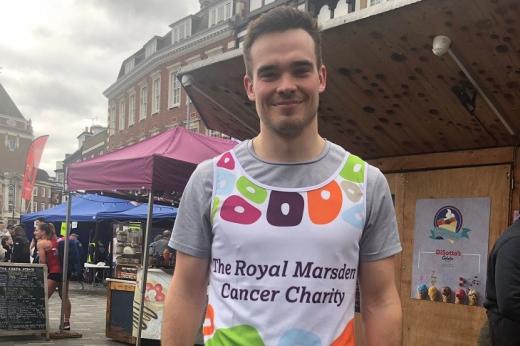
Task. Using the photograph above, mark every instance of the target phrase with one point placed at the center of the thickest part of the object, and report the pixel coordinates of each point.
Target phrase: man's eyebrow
(266, 68)
(302, 63)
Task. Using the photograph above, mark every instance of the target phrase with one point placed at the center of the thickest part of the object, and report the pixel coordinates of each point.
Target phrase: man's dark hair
(281, 19)
(41, 219)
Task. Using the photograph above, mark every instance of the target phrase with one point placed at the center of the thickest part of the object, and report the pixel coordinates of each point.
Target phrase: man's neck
(278, 149)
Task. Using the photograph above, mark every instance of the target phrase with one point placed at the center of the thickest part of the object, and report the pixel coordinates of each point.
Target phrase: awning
(387, 94)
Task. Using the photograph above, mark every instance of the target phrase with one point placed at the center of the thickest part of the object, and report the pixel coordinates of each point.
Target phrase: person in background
(6, 243)
(32, 246)
(47, 244)
(503, 288)
(21, 253)
(4, 231)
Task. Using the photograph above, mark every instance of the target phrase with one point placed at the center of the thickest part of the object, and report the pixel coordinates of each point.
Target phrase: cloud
(58, 56)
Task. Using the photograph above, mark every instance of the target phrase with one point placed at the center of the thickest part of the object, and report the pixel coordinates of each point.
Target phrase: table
(95, 267)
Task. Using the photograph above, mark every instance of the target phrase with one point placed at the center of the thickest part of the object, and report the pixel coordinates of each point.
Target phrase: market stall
(161, 164)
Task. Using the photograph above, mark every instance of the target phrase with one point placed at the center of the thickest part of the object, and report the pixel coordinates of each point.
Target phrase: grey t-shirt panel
(192, 232)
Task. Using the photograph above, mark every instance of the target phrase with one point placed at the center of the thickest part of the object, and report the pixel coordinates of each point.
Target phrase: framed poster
(450, 250)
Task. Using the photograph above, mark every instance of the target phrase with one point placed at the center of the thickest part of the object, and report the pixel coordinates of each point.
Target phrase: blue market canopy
(139, 213)
(83, 208)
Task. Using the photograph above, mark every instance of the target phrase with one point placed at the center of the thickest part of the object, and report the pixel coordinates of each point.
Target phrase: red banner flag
(32, 162)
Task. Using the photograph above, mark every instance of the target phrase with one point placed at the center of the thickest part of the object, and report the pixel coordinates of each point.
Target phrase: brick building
(147, 98)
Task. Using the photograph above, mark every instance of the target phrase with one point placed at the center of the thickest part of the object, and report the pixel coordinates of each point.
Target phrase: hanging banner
(450, 250)
(32, 162)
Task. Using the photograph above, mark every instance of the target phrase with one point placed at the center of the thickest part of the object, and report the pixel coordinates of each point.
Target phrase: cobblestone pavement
(88, 318)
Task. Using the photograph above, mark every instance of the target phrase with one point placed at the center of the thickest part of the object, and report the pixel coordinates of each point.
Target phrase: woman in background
(48, 253)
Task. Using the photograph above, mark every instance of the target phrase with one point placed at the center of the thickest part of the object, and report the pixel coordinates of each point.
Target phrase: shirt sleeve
(192, 231)
(380, 238)
(507, 279)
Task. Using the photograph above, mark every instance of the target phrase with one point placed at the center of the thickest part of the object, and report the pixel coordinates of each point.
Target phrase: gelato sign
(450, 250)
(448, 225)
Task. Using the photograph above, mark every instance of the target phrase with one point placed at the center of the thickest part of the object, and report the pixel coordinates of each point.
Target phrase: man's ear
(322, 73)
(248, 86)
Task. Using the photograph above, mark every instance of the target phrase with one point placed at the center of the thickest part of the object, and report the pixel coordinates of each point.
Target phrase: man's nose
(286, 85)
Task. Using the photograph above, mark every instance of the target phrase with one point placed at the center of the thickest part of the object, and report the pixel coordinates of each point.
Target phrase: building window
(374, 2)
(129, 65)
(175, 90)
(150, 48)
(194, 125)
(42, 206)
(255, 5)
(181, 31)
(35, 191)
(131, 109)
(143, 109)
(112, 120)
(220, 13)
(11, 142)
(122, 114)
(156, 95)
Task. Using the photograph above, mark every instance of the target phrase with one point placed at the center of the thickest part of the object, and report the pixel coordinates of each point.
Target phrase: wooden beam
(466, 158)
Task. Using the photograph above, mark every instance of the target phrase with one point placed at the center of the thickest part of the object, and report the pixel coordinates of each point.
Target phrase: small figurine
(433, 293)
(472, 297)
(446, 294)
(460, 296)
(422, 291)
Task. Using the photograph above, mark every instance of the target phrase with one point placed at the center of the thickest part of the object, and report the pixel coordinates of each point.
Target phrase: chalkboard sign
(23, 299)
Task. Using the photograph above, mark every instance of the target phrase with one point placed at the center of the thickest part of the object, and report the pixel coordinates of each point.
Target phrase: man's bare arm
(380, 303)
(185, 301)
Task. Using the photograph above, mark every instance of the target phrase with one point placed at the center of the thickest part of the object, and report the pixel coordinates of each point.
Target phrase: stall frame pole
(144, 275)
(64, 286)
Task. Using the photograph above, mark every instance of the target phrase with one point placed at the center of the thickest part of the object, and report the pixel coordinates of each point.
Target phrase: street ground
(88, 318)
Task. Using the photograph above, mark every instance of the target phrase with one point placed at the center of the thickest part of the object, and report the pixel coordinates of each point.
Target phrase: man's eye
(301, 72)
(268, 75)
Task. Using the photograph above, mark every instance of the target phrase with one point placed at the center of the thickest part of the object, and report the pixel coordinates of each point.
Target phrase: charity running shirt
(284, 251)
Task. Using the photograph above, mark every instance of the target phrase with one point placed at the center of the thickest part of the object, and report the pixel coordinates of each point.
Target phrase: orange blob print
(325, 203)
(347, 337)
(209, 321)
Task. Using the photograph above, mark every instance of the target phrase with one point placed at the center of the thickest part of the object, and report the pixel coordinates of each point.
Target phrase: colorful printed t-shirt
(284, 259)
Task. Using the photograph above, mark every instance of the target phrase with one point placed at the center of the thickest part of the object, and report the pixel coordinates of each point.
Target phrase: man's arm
(380, 303)
(185, 301)
(507, 279)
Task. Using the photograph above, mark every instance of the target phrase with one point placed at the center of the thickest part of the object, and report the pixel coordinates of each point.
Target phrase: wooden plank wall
(406, 177)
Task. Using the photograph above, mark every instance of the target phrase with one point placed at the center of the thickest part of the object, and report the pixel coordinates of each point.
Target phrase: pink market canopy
(162, 163)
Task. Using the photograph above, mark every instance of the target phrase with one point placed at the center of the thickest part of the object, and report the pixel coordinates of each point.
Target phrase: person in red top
(48, 252)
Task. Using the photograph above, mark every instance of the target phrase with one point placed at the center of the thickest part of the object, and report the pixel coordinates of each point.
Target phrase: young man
(284, 224)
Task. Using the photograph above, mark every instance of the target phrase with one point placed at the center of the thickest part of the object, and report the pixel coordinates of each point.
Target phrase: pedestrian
(4, 231)
(33, 248)
(21, 253)
(48, 254)
(503, 288)
(6, 243)
(284, 224)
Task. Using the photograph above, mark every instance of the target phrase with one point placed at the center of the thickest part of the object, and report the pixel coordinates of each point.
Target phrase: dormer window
(129, 65)
(150, 49)
(220, 13)
(181, 31)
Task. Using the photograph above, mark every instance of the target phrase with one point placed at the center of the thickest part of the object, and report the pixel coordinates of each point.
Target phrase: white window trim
(150, 49)
(143, 102)
(122, 115)
(213, 18)
(131, 108)
(156, 95)
(174, 87)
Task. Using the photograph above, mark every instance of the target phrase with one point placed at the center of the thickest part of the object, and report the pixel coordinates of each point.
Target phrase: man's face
(285, 82)
(37, 233)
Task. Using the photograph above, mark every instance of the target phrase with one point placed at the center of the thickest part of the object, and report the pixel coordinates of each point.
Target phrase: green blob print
(216, 205)
(251, 191)
(354, 169)
(242, 335)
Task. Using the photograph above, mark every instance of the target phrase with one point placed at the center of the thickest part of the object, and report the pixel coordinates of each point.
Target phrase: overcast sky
(58, 56)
